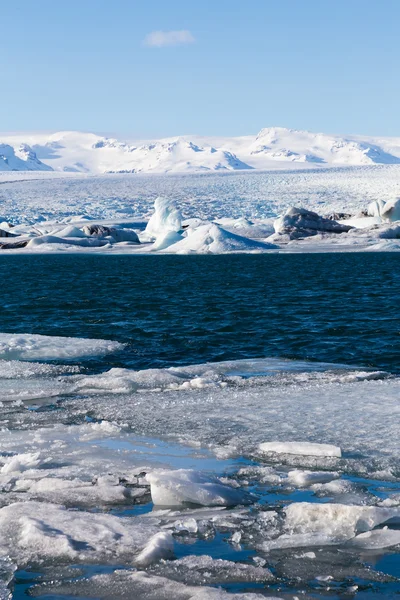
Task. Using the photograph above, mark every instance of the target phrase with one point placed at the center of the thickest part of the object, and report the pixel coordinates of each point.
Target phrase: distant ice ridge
(271, 148)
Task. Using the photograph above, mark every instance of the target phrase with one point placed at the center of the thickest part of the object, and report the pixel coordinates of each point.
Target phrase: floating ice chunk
(301, 448)
(375, 208)
(311, 524)
(43, 347)
(188, 525)
(301, 478)
(21, 462)
(336, 521)
(213, 239)
(36, 531)
(166, 218)
(378, 538)
(387, 211)
(75, 492)
(300, 222)
(391, 211)
(174, 488)
(160, 546)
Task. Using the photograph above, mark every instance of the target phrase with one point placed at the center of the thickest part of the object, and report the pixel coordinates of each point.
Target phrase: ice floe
(174, 488)
(36, 531)
(301, 448)
(14, 346)
(313, 524)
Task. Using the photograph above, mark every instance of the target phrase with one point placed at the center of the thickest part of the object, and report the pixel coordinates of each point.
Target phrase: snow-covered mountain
(20, 158)
(272, 148)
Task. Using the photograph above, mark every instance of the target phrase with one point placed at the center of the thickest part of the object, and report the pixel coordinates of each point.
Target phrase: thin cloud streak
(161, 39)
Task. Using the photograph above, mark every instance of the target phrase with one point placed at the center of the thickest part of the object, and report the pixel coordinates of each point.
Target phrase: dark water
(192, 309)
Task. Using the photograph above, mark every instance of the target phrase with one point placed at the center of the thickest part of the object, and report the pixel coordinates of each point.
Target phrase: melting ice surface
(244, 478)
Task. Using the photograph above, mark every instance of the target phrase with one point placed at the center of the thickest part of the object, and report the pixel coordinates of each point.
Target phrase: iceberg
(300, 222)
(166, 218)
(213, 239)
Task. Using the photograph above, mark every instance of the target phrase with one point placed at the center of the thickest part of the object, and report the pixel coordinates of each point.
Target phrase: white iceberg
(387, 211)
(210, 238)
(166, 218)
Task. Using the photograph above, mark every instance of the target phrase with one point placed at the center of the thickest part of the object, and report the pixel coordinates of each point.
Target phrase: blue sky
(232, 68)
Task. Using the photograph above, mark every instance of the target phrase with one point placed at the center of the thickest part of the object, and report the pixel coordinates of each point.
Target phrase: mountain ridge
(271, 148)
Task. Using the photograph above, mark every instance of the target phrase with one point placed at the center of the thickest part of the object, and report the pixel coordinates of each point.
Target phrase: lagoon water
(288, 347)
(174, 310)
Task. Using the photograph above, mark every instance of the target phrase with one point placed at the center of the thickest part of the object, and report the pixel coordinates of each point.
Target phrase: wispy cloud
(160, 39)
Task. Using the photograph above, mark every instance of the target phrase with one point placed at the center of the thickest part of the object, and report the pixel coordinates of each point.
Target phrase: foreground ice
(42, 347)
(80, 487)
